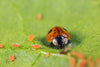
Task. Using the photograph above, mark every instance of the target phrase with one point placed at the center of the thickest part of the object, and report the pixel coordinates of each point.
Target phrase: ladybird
(58, 36)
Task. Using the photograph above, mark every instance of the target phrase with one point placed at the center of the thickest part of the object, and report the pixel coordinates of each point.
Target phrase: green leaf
(18, 19)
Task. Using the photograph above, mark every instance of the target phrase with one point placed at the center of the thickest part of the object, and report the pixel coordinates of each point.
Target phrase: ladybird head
(60, 41)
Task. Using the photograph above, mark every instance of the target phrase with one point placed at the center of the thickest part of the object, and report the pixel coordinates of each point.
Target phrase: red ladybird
(58, 36)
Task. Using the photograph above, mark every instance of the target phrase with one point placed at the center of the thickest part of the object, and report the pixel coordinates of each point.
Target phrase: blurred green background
(18, 19)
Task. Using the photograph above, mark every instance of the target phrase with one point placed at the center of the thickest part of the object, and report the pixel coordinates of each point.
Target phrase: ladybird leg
(66, 50)
(52, 45)
(68, 42)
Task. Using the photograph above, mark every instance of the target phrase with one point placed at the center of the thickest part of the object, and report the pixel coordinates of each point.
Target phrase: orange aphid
(58, 53)
(1, 46)
(78, 55)
(72, 62)
(90, 63)
(11, 58)
(15, 45)
(83, 63)
(98, 65)
(98, 60)
(47, 55)
(39, 16)
(31, 37)
(36, 46)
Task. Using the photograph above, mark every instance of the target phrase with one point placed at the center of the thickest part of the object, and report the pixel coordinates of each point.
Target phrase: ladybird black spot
(52, 35)
(50, 31)
(64, 29)
(54, 32)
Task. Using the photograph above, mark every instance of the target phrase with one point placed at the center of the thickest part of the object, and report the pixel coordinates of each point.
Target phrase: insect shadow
(45, 42)
(75, 40)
